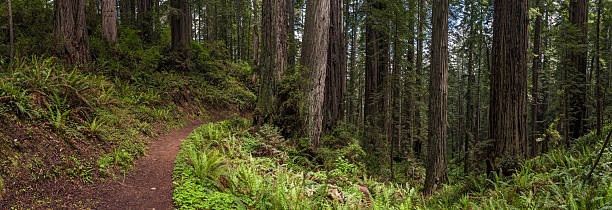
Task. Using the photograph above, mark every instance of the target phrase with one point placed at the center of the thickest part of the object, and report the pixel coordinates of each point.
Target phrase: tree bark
(292, 48)
(598, 94)
(274, 57)
(534, 71)
(436, 174)
(314, 59)
(180, 27)
(255, 33)
(577, 71)
(419, 101)
(70, 28)
(335, 82)
(109, 21)
(508, 100)
(354, 106)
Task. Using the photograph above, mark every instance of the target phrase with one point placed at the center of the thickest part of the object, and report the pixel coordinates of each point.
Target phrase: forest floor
(149, 184)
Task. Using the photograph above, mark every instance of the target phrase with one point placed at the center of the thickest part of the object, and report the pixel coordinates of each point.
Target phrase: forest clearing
(305, 104)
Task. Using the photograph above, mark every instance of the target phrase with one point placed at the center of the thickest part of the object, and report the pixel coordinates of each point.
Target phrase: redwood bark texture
(180, 27)
(109, 20)
(273, 58)
(70, 27)
(508, 100)
(335, 82)
(292, 43)
(436, 174)
(577, 90)
(314, 59)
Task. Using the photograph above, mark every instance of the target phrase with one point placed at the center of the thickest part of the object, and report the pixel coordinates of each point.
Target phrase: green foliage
(551, 181)
(257, 175)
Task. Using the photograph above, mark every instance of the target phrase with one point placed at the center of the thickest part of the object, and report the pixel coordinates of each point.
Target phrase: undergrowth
(228, 166)
(225, 166)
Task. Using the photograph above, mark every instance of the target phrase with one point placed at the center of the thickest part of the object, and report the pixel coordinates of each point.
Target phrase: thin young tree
(436, 174)
(598, 93)
(534, 76)
(255, 32)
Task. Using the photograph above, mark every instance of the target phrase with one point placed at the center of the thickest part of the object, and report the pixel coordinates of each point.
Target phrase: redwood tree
(109, 20)
(576, 71)
(436, 174)
(335, 83)
(508, 100)
(273, 60)
(180, 27)
(70, 28)
(534, 77)
(314, 59)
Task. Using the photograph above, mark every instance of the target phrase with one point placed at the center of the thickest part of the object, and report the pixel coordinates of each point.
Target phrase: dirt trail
(149, 184)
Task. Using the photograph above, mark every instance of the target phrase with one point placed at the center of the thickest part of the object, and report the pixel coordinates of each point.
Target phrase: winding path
(149, 184)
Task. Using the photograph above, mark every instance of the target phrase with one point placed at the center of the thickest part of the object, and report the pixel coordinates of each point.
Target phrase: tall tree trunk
(292, 51)
(274, 57)
(508, 101)
(469, 98)
(314, 59)
(577, 71)
(255, 33)
(436, 174)
(469, 111)
(419, 84)
(180, 27)
(598, 94)
(109, 21)
(145, 20)
(70, 28)
(11, 36)
(534, 71)
(354, 74)
(335, 82)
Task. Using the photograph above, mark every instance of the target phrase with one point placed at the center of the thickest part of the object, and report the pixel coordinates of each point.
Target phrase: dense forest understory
(305, 104)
